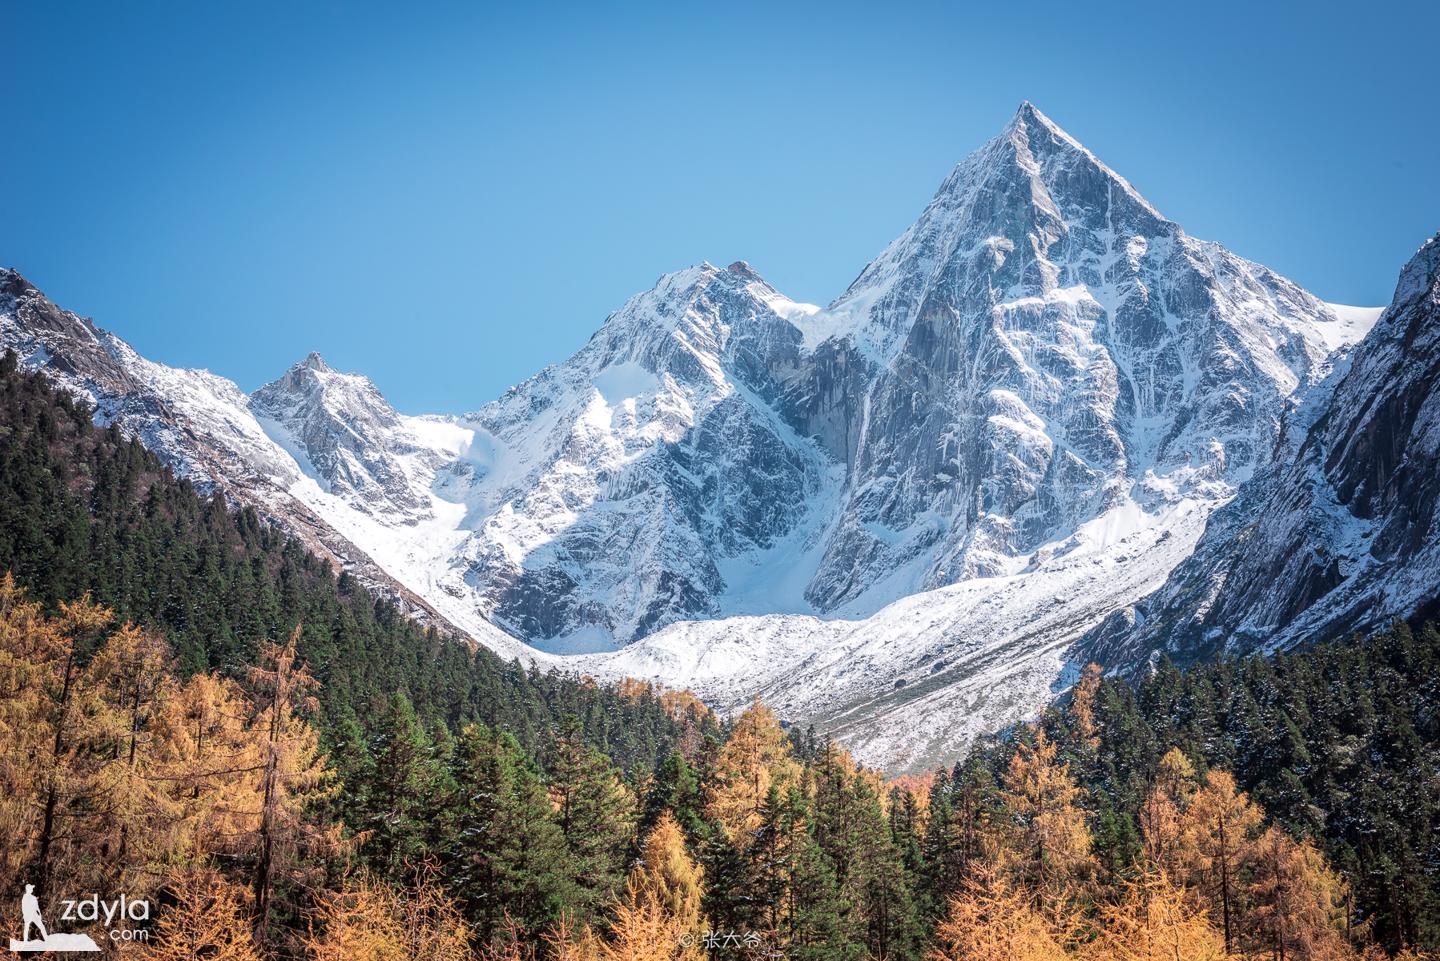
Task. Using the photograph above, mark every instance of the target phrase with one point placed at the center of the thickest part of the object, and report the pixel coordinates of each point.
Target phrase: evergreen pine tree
(399, 784)
(596, 813)
(504, 858)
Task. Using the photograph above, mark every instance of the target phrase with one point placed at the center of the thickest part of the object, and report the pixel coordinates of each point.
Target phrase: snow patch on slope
(1350, 325)
(913, 684)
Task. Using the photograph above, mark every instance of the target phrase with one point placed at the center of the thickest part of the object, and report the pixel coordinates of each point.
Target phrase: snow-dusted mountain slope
(205, 429)
(621, 489)
(913, 684)
(1340, 535)
(1041, 348)
(890, 515)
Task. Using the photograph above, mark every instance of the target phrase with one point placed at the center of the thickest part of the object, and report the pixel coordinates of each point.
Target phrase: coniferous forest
(198, 712)
(90, 512)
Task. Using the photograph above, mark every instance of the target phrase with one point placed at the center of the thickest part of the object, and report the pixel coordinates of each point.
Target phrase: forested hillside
(214, 799)
(1340, 744)
(88, 510)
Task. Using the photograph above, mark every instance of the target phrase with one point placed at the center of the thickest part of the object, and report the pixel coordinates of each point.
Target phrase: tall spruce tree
(399, 783)
(596, 814)
(504, 859)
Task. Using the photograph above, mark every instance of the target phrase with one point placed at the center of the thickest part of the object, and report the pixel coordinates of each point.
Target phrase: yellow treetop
(756, 756)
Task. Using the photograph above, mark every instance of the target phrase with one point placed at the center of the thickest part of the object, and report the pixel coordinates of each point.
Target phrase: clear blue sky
(449, 198)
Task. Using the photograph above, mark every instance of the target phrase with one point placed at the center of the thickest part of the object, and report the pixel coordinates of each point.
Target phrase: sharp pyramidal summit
(1043, 425)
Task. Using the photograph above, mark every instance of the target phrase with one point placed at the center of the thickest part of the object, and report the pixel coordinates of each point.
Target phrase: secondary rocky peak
(313, 377)
(12, 283)
(1420, 278)
(345, 433)
(1340, 538)
(694, 318)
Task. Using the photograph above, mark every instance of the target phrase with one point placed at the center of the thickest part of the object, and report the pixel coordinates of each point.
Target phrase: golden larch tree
(207, 755)
(1220, 826)
(644, 932)
(1156, 920)
(1161, 813)
(1297, 903)
(992, 920)
(668, 878)
(755, 757)
(292, 777)
(138, 822)
(207, 922)
(53, 718)
(370, 921)
(32, 655)
(1082, 706)
(1047, 848)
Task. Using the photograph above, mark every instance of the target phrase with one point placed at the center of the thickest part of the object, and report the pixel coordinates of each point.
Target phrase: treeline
(90, 511)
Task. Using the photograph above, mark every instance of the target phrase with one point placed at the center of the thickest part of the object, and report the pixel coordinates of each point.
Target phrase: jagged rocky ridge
(1341, 534)
(205, 430)
(892, 515)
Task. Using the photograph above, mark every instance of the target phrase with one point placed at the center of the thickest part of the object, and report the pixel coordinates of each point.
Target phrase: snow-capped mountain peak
(1005, 221)
(1039, 141)
(696, 316)
(343, 432)
(1042, 347)
(891, 515)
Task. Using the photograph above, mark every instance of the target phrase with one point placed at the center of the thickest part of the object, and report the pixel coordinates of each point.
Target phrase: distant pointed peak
(313, 378)
(686, 281)
(665, 305)
(1032, 133)
(1029, 119)
(1027, 113)
(741, 268)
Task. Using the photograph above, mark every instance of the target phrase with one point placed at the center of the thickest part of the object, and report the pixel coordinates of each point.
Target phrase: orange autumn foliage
(994, 921)
(208, 922)
(368, 921)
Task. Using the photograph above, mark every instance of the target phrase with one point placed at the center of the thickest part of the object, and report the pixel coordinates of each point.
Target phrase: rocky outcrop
(1341, 534)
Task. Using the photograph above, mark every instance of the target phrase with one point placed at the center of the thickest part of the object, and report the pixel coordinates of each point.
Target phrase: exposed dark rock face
(1342, 533)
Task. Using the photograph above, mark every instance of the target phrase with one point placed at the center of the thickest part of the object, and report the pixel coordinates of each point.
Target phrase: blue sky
(449, 198)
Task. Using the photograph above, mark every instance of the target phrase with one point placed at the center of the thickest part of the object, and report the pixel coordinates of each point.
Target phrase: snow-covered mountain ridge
(1342, 533)
(891, 516)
